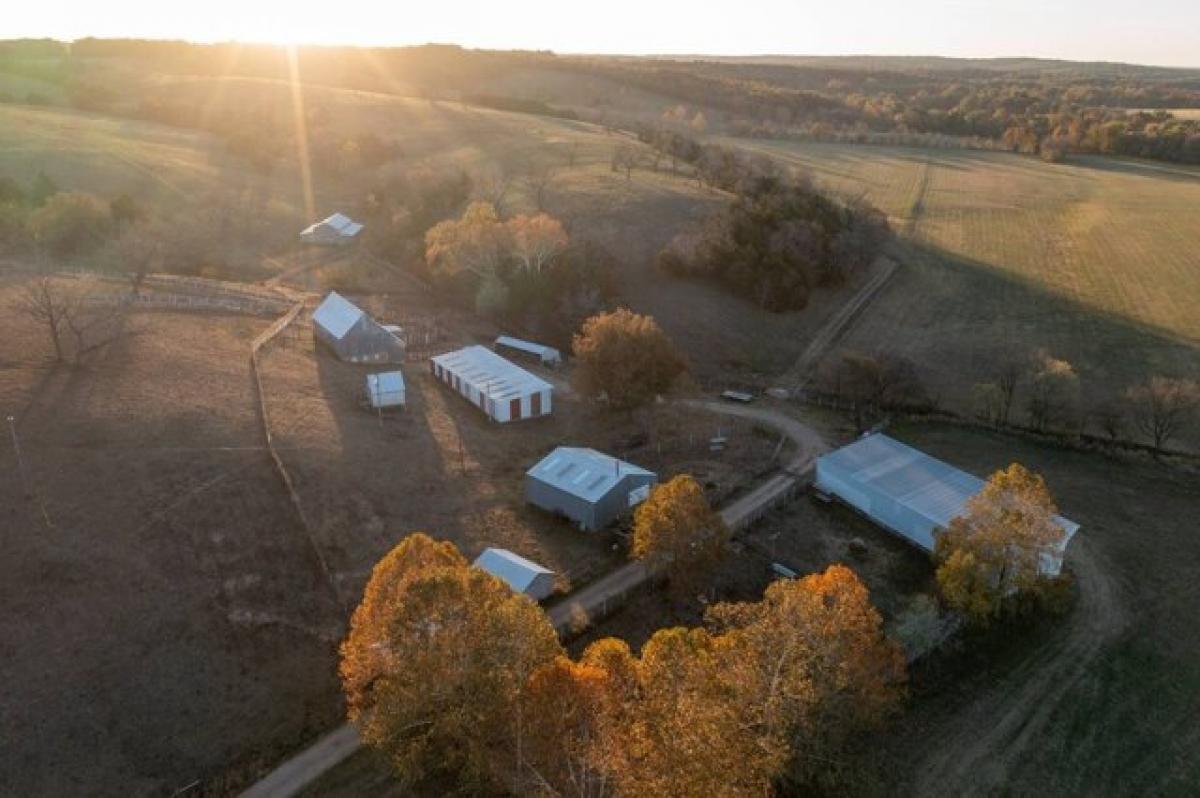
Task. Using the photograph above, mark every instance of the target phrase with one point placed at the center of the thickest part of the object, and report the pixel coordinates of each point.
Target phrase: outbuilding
(334, 230)
(905, 490)
(545, 355)
(352, 335)
(385, 390)
(502, 390)
(589, 487)
(522, 575)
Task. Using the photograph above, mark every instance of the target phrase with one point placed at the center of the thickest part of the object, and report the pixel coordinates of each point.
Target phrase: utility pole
(12, 427)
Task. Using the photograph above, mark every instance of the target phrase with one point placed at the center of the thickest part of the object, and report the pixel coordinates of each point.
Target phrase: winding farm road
(973, 754)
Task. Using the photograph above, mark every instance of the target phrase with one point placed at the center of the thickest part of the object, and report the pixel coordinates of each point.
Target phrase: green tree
(625, 358)
(42, 190)
(124, 210)
(71, 224)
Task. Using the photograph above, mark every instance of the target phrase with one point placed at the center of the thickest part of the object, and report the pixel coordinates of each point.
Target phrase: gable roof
(342, 224)
(518, 572)
(336, 314)
(935, 490)
(541, 350)
(490, 374)
(582, 472)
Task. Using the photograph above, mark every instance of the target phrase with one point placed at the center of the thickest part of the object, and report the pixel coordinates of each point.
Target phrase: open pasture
(1095, 260)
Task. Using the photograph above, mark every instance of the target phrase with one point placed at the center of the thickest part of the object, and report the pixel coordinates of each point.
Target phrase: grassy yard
(1094, 260)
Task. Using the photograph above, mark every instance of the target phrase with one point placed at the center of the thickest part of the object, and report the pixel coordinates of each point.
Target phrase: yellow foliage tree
(625, 357)
(476, 243)
(677, 530)
(563, 701)
(809, 665)
(436, 664)
(999, 547)
(537, 240)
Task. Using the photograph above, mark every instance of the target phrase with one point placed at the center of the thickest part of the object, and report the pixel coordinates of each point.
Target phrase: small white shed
(385, 390)
(522, 575)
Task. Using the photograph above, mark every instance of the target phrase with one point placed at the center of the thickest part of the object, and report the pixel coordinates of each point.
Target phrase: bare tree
(1008, 377)
(44, 303)
(70, 317)
(1163, 406)
(1110, 418)
(1053, 393)
(625, 158)
(492, 185)
(537, 180)
(139, 253)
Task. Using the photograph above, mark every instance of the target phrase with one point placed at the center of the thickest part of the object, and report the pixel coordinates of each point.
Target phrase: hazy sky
(1152, 31)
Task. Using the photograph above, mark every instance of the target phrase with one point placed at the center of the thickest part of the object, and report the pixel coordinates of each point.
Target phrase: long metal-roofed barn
(353, 335)
(546, 355)
(905, 490)
(503, 390)
(522, 575)
(587, 486)
(336, 230)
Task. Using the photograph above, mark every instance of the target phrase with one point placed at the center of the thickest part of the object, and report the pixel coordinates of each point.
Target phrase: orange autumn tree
(563, 701)
(536, 240)
(626, 358)
(677, 530)
(998, 547)
(436, 666)
(810, 665)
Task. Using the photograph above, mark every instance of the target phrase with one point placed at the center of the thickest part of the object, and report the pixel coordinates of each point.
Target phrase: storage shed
(353, 335)
(904, 490)
(546, 355)
(522, 575)
(335, 230)
(502, 390)
(385, 390)
(587, 486)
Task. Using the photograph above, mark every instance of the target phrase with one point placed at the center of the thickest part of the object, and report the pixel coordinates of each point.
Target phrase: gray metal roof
(337, 315)
(340, 223)
(933, 489)
(490, 374)
(585, 473)
(385, 387)
(541, 350)
(513, 569)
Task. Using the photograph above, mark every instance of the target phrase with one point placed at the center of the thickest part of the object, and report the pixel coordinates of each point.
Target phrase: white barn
(522, 575)
(335, 230)
(546, 355)
(502, 390)
(905, 490)
(385, 390)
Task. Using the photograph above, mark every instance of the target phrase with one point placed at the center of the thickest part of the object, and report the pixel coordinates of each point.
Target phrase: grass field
(1094, 260)
(1101, 701)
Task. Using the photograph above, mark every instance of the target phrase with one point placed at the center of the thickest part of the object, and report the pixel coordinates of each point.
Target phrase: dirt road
(306, 767)
(974, 754)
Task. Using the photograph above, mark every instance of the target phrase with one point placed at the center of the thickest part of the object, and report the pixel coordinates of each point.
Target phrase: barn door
(514, 409)
(535, 405)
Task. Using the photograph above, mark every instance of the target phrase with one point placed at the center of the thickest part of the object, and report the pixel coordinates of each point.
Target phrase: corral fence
(256, 347)
(256, 306)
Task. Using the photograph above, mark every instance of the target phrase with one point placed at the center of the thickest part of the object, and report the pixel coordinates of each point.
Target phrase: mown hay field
(1096, 260)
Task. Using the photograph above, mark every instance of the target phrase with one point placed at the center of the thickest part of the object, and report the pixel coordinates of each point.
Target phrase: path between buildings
(326, 753)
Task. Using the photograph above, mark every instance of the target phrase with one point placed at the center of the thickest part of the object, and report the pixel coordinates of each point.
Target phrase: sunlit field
(1094, 260)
